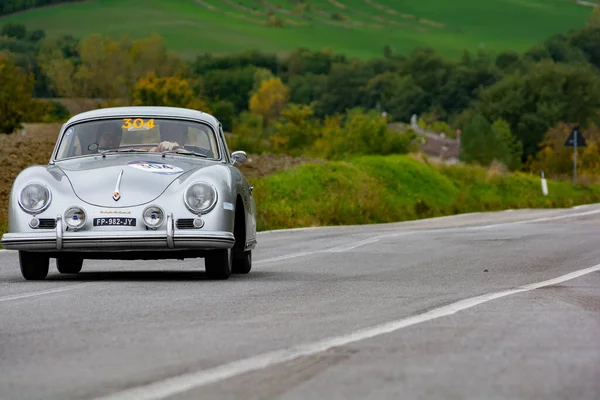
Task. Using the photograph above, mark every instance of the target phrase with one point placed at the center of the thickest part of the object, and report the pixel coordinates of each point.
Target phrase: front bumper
(60, 240)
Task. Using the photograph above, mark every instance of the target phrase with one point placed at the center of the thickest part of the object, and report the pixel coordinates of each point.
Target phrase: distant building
(433, 144)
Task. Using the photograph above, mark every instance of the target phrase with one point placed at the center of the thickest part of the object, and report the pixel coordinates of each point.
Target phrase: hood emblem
(117, 192)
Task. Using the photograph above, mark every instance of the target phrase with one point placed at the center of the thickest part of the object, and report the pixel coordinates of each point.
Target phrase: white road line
(186, 382)
(542, 219)
(287, 257)
(350, 246)
(33, 294)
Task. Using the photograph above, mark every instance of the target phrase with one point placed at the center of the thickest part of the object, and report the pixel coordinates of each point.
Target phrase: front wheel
(218, 264)
(242, 264)
(34, 266)
(69, 265)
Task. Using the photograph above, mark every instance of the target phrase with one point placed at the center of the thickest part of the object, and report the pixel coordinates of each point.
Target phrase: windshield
(133, 134)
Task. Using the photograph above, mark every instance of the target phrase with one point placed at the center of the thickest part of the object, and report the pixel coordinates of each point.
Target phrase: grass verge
(377, 189)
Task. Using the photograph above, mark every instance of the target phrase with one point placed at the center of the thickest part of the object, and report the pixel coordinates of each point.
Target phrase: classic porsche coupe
(134, 183)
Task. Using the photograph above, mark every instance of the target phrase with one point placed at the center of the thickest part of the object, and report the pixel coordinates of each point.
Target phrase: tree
(588, 41)
(508, 149)
(304, 61)
(171, 91)
(260, 75)
(342, 88)
(296, 131)
(359, 132)
(248, 130)
(230, 84)
(397, 95)
(224, 111)
(18, 31)
(150, 55)
(16, 88)
(100, 67)
(269, 100)
(430, 71)
(533, 101)
(307, 88)
(464, 82)
(478, 142)
(556, 160)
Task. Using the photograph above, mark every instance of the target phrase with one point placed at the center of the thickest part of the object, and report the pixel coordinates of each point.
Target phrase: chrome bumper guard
(118, 241)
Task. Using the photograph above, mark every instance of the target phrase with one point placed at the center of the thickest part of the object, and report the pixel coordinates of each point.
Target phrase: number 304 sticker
(137, 124)
(156, 167)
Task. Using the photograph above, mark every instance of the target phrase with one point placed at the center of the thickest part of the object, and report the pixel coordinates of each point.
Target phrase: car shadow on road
(150, 276)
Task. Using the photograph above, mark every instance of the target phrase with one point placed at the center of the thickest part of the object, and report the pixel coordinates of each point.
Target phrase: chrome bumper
(58, 239)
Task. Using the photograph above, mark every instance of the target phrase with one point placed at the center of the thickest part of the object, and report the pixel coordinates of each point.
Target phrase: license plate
(114, 221)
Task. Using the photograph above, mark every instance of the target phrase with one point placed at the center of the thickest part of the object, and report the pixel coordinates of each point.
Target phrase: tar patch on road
(574, 295)
(271, 382)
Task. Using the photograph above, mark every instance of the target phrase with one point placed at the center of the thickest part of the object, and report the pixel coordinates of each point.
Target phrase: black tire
(34, 266)
(242, 264)
(218, 264)
(69, 265)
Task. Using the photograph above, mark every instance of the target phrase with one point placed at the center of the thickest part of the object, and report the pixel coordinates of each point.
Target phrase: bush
(357, 133)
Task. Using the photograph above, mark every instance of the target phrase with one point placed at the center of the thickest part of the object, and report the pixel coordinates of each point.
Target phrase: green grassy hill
(356, 27)
(379, 189)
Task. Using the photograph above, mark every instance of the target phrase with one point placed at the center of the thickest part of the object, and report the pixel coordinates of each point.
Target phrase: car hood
(139, 179)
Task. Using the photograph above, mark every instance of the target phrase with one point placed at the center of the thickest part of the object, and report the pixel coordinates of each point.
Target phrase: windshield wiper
(105, 152)
(184, 151)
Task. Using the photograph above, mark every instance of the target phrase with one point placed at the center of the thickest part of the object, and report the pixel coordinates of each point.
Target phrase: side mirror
(238, 157)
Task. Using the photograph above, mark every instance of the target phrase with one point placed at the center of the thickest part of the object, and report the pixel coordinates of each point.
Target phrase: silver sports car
(133, 183)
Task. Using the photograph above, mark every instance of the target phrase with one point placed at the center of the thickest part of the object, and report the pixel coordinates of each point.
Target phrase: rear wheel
(218, 264)
(242, 264)
(34, 266)
(69, 265)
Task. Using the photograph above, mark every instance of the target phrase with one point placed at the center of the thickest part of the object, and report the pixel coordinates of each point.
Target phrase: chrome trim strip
(170, 230)
(59, 232)
(117, 192)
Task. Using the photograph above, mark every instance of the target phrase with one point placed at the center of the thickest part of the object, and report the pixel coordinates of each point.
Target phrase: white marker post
(544, 185)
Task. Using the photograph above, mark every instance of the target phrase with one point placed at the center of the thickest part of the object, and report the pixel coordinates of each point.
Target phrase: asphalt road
(480, 306)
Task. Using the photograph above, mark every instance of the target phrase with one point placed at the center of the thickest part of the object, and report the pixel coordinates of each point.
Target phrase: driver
(172, 136)
(109, 136)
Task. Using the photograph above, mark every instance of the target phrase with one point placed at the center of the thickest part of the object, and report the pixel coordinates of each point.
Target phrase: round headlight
(200, 197)
(153, 217)
(34, 198)
(75, 217)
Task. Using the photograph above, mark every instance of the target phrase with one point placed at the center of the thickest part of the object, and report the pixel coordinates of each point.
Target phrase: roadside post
(575, 140)
(544, 185)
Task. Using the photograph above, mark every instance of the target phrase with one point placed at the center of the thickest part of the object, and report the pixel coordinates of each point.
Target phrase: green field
(358, 28)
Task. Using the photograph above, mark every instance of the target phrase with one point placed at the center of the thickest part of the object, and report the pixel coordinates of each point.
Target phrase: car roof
(144, 111)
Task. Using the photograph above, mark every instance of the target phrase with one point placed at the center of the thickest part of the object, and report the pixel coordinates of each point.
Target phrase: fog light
(75, 217)
(198, 222)
(153, 217)
(34, 223)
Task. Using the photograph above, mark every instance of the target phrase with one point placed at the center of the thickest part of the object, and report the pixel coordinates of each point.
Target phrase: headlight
(75, 217)
(153, 217)
(200, 197)
(34, 198)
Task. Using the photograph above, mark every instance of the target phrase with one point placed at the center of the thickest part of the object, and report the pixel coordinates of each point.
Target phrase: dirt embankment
(18, 151)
